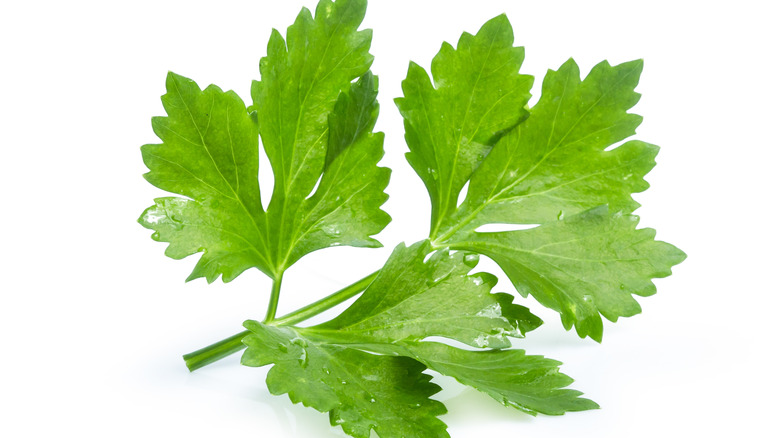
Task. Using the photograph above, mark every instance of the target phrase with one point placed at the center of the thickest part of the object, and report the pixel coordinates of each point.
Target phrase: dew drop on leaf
(481, 341)
(303, 359)
(331, 231)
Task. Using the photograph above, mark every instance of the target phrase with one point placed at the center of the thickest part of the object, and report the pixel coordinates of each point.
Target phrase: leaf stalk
(326, 303)
(228, 346)
(214, 352)
(274, 301)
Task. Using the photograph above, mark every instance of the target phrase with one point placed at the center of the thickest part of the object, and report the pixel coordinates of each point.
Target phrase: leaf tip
(498, 24)
(636, 64)
(172, 79)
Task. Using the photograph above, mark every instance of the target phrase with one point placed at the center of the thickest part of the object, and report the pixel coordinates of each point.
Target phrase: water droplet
(415, 405)
(561, 215)
(303, 359)
(283, 348)
(622, 286)
(492, 311)
(331, 231)
(153, 217)
(178, 202)
(436, 280)
(373, 400)
(628, 176)
(471, 260)
(434, 173)
(156, 236)
(515, 332)
(326, 370)
(339, 421)
(587, 298)
(343, 382)
(482, 341)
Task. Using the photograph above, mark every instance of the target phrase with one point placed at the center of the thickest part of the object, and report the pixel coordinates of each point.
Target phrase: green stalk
(226, 347)
(326, 303)
(214, 352)
(274, 302)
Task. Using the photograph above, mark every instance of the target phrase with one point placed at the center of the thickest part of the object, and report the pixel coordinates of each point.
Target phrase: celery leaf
(316, 122)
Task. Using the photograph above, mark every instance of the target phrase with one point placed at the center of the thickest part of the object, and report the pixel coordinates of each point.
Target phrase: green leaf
(414, 298)
(301, 82)
(554, 164)
(316, 124)
(209, 154)
(353, 116)
(345, 208)
(582, 266)
(361, 391)
(552, 167)
(478, 95)
(532, 384)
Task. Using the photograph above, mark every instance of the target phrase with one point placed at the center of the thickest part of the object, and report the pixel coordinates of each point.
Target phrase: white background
(94, 318)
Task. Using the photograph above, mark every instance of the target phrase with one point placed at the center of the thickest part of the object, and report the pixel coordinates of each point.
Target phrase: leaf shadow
(470, 405)
(291, 419)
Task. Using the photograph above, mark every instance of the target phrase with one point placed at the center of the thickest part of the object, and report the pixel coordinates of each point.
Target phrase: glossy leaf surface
(552, 170)
(585, 265)
(554, 164)
(451, 124)
(210, 155)
(361, 391)
(302, 78)
(532, 384)
(316, 125)
(414, 298)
